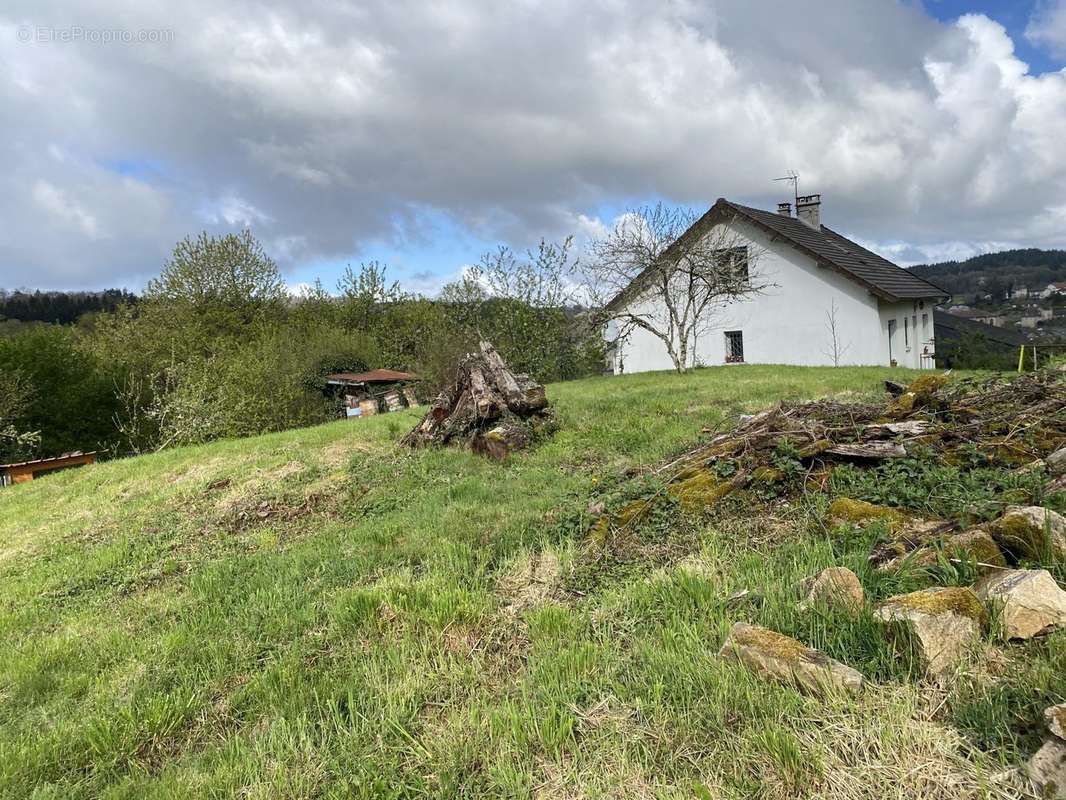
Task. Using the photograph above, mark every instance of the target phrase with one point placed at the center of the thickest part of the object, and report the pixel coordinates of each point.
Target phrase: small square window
(734, 347)
(734, 265)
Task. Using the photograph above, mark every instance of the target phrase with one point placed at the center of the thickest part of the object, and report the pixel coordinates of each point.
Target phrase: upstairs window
(733, 262)
(734, 347)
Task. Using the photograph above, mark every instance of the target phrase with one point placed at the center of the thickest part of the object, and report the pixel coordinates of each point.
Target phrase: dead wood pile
(488, 408)
(1011, 422)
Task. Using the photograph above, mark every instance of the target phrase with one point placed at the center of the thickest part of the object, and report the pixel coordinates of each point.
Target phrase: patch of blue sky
(134, 167)
(1014, 15)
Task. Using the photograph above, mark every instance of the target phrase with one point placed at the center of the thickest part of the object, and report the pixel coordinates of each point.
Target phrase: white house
(883, 313)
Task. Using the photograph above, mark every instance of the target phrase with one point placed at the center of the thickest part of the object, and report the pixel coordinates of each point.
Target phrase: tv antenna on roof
(793, 176)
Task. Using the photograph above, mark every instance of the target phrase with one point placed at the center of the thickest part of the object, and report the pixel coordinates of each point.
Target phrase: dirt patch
(891, 746)
(531, 583)
(198, 470)
(336, 455)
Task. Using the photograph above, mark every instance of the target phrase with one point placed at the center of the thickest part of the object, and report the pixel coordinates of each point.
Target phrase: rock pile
(1017, 425)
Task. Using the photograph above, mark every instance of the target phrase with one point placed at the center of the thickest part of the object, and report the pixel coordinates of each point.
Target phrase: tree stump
(489, 409)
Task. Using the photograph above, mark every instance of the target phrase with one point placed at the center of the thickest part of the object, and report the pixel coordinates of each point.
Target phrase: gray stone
(786, 660)
(834, 588)
(1056, 720)
(1027, 602)
(1056, 462)
(1047, 770)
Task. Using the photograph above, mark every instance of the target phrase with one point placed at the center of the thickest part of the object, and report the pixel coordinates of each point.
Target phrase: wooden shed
(366, 393)
(25, 471)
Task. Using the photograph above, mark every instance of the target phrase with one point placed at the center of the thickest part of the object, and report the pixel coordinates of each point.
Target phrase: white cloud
(1047, 27)
(233, 211)
(58, 205)
(324, 125)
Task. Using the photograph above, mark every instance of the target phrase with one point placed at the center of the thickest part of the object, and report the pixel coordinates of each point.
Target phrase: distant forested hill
(60, 307)
(997, 273)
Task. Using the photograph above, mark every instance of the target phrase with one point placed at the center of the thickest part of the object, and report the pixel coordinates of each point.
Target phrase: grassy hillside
(318, 613)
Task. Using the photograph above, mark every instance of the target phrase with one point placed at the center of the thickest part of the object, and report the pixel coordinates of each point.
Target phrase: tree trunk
(489, 409)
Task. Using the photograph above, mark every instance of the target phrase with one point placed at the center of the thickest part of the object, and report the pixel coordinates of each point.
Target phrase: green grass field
(320, 614)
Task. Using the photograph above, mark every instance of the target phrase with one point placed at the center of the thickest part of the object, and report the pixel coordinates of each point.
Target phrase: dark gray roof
(827, 247)
(947, 327)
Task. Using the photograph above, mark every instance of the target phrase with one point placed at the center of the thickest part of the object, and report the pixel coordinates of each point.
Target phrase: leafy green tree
(366, 295)
(519, 302)
(16, 444)
(233, 270)
(73, 394)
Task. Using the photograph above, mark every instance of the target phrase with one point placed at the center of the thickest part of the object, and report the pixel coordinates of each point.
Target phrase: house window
(733, 262)
(906, 335)
(925, 325)
(734, 347)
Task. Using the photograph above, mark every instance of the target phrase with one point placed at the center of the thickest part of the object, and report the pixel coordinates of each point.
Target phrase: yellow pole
(1021, 358)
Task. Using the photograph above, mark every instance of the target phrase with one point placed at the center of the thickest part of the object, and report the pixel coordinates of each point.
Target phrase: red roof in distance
(373, 376)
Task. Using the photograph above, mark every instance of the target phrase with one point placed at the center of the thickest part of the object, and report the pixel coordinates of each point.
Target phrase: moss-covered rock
(976, 544)
(1031, 532)
(845, 510)
(940, 625)
(773, 655)
(939, 600)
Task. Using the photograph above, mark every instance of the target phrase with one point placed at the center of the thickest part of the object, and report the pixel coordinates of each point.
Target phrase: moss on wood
(700, 490)
(846, 509)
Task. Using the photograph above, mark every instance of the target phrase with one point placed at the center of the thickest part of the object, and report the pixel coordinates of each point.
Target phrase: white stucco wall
(787, 323)
(913, 334)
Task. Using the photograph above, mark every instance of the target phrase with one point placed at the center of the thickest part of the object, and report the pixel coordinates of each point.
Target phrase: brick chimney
(784, 209)
(809, 210)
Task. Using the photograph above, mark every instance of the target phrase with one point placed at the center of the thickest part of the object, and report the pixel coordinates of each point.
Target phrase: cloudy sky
(421, 134)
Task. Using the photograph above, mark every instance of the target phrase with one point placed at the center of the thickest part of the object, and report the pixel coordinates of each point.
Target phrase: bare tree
(656, 272)
(836, 349)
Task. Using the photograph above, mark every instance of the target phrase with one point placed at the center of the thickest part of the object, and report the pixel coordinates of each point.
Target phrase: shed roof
(373, 376)
(827, 247)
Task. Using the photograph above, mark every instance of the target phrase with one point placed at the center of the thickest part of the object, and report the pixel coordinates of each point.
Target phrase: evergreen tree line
(62, 308)
(216, 347)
